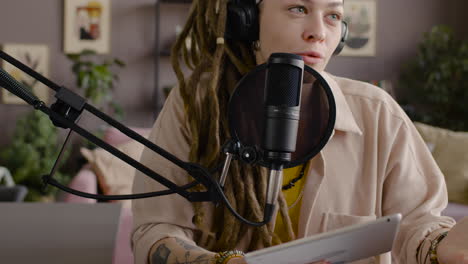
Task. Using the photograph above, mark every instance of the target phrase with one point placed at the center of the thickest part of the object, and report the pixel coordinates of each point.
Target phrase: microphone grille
(283, 82)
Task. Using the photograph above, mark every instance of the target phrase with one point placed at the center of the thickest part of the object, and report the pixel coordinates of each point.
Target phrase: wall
(132, 40)
(400, 27)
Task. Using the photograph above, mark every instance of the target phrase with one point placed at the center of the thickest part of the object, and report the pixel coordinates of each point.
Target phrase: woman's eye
(298, 9)
(335, 16)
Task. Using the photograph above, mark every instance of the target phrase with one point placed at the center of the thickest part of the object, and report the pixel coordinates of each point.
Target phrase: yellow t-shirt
(293, 197)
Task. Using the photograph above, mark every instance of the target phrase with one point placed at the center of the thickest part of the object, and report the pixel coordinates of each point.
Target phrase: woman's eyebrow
(329, 5)
(334, 4)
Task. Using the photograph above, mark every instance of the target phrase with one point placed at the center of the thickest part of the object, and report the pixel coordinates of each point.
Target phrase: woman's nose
(314, 30)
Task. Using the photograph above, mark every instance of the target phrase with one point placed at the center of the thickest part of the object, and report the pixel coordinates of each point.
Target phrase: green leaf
(436, 80)
(119, 62)
(32, 151)
(73, 57)
(96, 78)
(76, 68)
(88, 52)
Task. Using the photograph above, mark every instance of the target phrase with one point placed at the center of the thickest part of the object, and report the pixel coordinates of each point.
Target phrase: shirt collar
(344, 116)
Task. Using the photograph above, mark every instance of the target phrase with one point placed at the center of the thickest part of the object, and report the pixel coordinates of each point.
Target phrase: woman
(375, 164)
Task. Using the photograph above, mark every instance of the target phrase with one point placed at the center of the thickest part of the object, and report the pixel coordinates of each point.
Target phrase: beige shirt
(374, 164)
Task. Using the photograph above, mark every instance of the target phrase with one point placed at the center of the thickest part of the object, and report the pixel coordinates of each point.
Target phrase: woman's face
(310, 28)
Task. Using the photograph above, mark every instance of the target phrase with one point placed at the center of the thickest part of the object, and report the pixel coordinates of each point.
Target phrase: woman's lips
(311, 58)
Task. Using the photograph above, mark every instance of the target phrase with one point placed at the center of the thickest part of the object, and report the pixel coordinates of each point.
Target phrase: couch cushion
(450, 151)
(115, 177)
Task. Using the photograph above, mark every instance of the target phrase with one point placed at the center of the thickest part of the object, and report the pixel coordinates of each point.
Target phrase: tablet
(343, 245)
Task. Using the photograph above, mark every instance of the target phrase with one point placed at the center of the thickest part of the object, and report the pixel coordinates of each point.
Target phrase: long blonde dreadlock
(206, 114)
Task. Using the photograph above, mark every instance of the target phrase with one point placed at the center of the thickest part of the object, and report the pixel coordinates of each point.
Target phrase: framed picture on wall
(35, 56)
(361, 16)
(87, 26)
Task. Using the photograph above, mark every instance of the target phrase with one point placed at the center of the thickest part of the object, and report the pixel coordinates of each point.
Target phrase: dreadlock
(206, 115)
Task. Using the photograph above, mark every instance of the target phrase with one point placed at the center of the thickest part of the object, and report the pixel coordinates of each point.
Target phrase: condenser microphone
(282, 101)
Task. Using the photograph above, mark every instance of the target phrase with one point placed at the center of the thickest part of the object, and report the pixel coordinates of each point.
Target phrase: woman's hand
(453, 249)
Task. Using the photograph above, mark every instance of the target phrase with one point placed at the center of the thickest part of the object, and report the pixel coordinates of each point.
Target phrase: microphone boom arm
(67, 109)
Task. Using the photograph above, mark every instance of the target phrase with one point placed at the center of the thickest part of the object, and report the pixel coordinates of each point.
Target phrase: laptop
(340, 246)
(58, 232)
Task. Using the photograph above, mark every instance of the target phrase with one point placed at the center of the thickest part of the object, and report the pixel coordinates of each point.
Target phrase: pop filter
(317, 114)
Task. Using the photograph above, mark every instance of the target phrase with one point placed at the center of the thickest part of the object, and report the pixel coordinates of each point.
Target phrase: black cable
(173, 188)
(49, 180)
(238, 216)
(99, 142)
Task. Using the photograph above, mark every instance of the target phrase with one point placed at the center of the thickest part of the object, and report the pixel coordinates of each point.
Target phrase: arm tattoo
(202, 259)
(161, 255)
(186, 245)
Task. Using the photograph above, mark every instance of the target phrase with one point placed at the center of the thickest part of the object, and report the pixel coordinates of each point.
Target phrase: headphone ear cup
(344, 37)
(242, 22)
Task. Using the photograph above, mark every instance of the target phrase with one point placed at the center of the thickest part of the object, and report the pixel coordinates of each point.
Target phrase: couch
(450, 151)
(103, 170)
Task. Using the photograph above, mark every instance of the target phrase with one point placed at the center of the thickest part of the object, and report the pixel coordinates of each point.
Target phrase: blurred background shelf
(162, 46)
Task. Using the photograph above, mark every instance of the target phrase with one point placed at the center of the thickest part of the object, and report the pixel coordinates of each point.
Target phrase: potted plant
(32, 154)
(97, 78)
(435, 82)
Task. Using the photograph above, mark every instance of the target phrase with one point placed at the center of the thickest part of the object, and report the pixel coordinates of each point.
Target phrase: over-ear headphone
(243, 24)
(242, 20)
(344, 37)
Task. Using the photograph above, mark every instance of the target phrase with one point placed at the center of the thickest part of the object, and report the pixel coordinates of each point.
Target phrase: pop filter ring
(323, 140)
